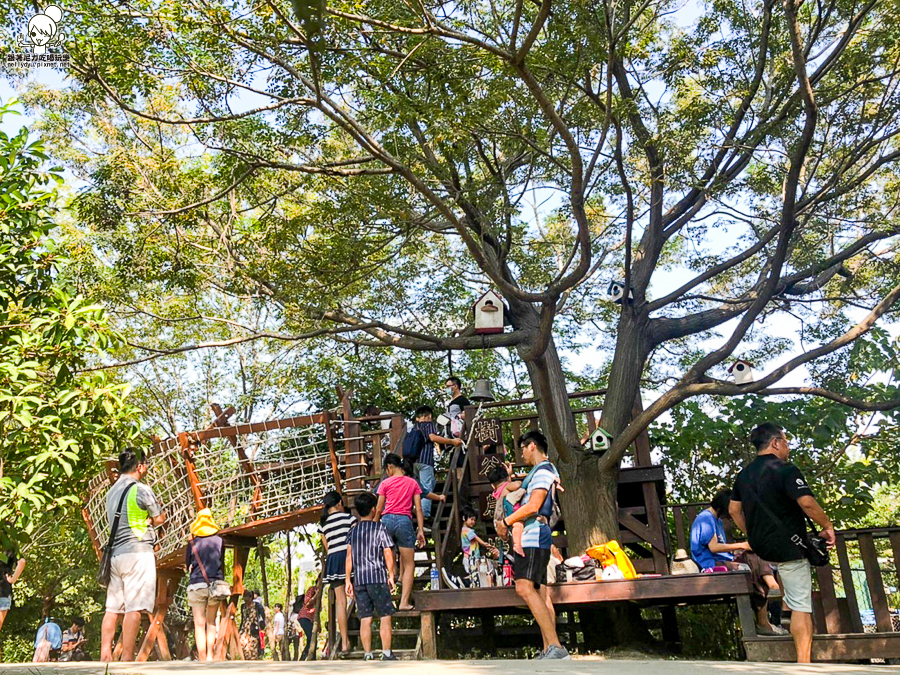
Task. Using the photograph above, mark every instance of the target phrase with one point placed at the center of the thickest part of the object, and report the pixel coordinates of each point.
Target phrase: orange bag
(611, 553)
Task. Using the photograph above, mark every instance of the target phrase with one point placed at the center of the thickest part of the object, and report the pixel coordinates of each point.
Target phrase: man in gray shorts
(132, 584)
(771, 480)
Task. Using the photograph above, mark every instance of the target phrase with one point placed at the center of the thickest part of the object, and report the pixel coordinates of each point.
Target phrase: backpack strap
(115, 524)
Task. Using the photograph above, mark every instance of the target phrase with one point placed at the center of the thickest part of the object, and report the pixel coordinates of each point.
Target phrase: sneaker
(557, 652)
(541, 655)
(388, 657)
(369, 656)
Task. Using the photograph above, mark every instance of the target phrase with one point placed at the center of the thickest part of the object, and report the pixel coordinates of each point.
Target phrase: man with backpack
(536, 511)
(418, 447)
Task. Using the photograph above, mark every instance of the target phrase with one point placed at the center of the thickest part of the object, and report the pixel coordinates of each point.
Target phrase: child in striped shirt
(370, 575)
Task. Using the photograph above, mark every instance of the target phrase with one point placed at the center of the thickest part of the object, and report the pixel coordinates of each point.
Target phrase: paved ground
(575, 667)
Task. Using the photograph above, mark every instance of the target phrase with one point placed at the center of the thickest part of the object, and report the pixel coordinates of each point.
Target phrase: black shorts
(532, 565)
(373, 599)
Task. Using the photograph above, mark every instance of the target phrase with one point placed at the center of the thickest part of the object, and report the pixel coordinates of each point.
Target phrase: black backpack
(413, 444)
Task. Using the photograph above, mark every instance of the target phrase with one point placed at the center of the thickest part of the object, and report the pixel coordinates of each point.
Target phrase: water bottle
(435, 578)
(507, 573)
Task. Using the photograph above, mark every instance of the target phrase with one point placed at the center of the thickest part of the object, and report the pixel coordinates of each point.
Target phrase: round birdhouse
(616, 291)
(742, 372)
(489, 313)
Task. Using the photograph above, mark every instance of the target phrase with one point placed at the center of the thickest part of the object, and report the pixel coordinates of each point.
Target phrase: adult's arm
(348, 569)
(530, 508)
(420, 520)
(736, 511)
(379, 507)
(720, 547)
(20, 567)
(389, 561)
(443, 440)
(811, 508)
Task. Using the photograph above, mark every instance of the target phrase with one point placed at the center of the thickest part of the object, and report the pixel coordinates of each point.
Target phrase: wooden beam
(842, 647)
(875, 582)
(675, 588)
(428, 631)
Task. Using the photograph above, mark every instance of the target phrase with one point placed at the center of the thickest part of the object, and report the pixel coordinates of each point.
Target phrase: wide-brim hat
(204, 525)
(681, 554)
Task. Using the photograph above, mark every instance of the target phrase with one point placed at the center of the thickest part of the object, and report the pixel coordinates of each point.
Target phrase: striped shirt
(335, 529)
(367, 541)
(536, 533)
(426, 456)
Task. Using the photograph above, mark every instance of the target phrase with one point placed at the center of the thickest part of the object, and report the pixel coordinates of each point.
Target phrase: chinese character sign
(487, 432)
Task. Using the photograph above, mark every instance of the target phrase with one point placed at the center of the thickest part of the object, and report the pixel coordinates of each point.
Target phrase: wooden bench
(664, 590)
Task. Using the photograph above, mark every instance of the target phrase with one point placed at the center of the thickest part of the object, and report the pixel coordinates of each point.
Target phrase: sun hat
(682, 564)
(204, 525)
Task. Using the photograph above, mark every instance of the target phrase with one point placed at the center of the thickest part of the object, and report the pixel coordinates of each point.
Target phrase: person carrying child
(370, 575)
(508, 494)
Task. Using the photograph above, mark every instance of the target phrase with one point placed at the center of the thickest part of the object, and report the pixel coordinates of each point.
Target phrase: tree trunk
(589, 497)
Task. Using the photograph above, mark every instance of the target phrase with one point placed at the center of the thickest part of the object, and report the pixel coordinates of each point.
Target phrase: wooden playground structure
(267, 477)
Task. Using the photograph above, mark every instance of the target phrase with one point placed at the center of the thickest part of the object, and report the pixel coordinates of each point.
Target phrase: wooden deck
(663, 591)
(668, 589)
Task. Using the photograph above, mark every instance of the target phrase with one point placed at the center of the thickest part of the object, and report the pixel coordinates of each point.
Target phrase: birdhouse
(489, 314)
(742, 371)
(599, 441)
(616, 291)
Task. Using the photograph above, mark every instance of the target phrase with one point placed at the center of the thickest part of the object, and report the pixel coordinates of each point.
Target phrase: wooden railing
(856, 593)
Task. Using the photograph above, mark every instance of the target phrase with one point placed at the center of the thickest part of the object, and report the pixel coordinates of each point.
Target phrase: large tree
(56, 422)
(735, 169)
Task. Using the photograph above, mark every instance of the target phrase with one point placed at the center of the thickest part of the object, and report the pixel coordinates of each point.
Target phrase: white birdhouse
(615, 292)
(742, 371)
(599, 441)
(489, 313)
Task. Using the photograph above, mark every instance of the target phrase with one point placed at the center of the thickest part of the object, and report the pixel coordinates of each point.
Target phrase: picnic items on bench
(611, 555)
(578, 568)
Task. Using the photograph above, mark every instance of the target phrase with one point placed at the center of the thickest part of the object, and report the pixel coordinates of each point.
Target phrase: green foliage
(56, 418)
(59, 581)
(845, 454)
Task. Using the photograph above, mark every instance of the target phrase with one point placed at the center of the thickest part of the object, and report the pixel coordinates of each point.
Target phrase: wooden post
(227, 639)
(191, 469)
(746, 615)
(875, 582)
(428, 631)
(335, 465)
(261, 556)
(166, 583)
(353, 448)
(289, 592)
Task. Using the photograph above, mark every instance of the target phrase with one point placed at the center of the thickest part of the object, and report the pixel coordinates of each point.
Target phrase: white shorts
(797, 579)
(132, 583)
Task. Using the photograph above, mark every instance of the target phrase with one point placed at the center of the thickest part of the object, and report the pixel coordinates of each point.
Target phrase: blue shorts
(401, 529)
(5, 604)
(373, 599)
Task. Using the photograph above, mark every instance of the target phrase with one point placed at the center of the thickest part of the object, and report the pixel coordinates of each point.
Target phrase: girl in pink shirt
(397, 494)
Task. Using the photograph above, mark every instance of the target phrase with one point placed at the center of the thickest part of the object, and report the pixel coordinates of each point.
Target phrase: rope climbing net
(243, 478)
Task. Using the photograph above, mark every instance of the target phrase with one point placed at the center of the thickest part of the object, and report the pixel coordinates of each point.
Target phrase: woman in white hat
(205, 559)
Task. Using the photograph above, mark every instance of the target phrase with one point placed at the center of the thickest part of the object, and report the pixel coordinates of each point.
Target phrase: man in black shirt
(772, 481)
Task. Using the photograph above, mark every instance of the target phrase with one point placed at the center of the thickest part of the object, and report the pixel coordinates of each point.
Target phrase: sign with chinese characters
(487, 432)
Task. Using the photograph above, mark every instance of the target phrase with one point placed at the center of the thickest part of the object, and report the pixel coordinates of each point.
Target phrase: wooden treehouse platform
(262, 478)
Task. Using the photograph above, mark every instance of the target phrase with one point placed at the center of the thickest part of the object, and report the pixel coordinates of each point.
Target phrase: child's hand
(442, 498)
(519, 550)
(391, 584)
(348, 588)
(420, 539)
(457, 441)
